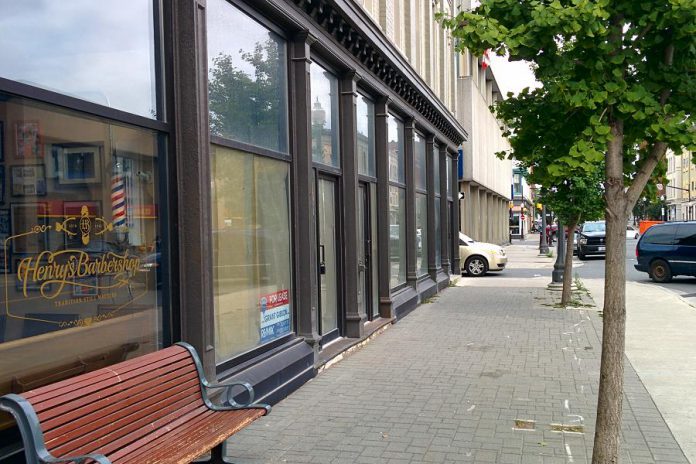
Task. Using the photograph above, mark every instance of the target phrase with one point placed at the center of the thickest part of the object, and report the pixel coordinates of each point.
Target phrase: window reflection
(325, 134)
(419, 153)
(366, 137)
(247, 85)
(101, 51)
(397, 236)
(81, 253)
(396, 150)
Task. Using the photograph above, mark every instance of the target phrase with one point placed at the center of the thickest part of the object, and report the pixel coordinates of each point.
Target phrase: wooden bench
(155, 408)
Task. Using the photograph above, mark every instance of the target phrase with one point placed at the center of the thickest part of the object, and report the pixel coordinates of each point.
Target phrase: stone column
(354, 326)
(382, 153)
(304, 194)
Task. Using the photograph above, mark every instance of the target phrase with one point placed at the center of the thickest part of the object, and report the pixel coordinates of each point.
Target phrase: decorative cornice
(335, 20)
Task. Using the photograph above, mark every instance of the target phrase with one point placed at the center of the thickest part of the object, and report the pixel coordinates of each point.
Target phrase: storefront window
(103, 52)
(247, 80)
(419, 152)
(421, 234)
(366, 137)
(397, 236)
(81, 243)
(396, 150)
(325, 135)
(251, 250)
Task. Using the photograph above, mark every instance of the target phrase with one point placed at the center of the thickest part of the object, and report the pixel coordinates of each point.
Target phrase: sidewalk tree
(631, 65)
(574, 200)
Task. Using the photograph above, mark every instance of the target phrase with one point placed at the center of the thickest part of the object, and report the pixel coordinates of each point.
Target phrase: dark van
(667, 250)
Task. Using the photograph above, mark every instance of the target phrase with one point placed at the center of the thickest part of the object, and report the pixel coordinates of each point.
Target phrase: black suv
(667, 250)
(592, 239)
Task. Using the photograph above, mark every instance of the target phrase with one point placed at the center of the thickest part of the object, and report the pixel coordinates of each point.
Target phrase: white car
(478, 258)
(632, 233)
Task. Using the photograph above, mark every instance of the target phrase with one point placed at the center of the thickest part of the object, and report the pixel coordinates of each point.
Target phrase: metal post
(557, 275)
(543, 245)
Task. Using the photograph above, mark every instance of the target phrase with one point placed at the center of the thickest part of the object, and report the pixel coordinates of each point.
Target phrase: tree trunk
(609, 403)
(566, 294)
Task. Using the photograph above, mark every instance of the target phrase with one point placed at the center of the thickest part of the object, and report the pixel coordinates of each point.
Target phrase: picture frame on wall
(80, 290)
(28, 140)
(2, 141)
(5, 255)
(79, 164)
(28, 180)
(24, 217)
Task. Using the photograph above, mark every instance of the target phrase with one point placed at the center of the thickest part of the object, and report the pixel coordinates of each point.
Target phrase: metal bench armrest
(231, 404)
(34, 445)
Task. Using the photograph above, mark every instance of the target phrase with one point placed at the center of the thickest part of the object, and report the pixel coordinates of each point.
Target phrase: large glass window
(251, 250)
(325, 136)
(438, 230)
(397, 236)
(396, 150)
(421, 233)
(103, 52)
(419, 152)
(247, 86)
(80, 243)
(366, 137)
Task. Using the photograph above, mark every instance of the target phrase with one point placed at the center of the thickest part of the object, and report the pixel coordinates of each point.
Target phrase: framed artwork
(28, 180)
(79, 164)
(28, 140)
(5, 256)
(89, 287)
(23, 218)
(2, 141)
(95, 243)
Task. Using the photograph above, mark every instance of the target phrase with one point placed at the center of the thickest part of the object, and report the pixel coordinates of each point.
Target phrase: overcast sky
(512, 76)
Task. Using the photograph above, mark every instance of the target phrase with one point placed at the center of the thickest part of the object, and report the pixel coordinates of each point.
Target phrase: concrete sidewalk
(488, 372)
(661, 346)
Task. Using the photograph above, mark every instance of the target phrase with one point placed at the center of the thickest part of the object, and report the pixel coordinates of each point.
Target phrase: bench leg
(217, 455)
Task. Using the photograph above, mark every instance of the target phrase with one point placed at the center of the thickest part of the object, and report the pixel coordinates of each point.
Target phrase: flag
(485, 60)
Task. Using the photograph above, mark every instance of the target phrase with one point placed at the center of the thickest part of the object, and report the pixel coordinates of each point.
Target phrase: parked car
(667, 250)
(592, 239)
(632, 233)
(478, 258)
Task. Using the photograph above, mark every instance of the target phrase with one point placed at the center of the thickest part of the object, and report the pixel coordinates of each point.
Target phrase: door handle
(322, 260)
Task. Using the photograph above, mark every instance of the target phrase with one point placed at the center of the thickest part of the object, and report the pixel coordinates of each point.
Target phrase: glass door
(365, 303)
(327, 239)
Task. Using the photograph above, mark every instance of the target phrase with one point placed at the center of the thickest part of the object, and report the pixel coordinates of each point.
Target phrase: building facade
(269, 181)
(673, 191)
(522, 208)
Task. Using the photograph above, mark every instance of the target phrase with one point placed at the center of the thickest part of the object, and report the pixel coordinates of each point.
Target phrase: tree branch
(657, 153)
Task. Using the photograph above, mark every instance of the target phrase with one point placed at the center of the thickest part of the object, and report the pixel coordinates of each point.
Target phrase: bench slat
(90, 430)
(142, 396)
(191, 440)
(132, 427)
(111, 377)
(65, 386)
(111, 391)
(158, 429)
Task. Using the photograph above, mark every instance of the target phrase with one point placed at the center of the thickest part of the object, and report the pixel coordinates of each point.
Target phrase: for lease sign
(275, 315)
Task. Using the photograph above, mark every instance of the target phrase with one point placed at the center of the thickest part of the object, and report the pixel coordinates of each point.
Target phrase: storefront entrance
(327, 239)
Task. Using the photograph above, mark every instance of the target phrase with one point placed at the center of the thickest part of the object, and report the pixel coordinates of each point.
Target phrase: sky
(512, 76)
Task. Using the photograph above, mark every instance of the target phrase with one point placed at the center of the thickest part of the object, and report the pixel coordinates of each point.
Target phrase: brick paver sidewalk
(448, 383)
